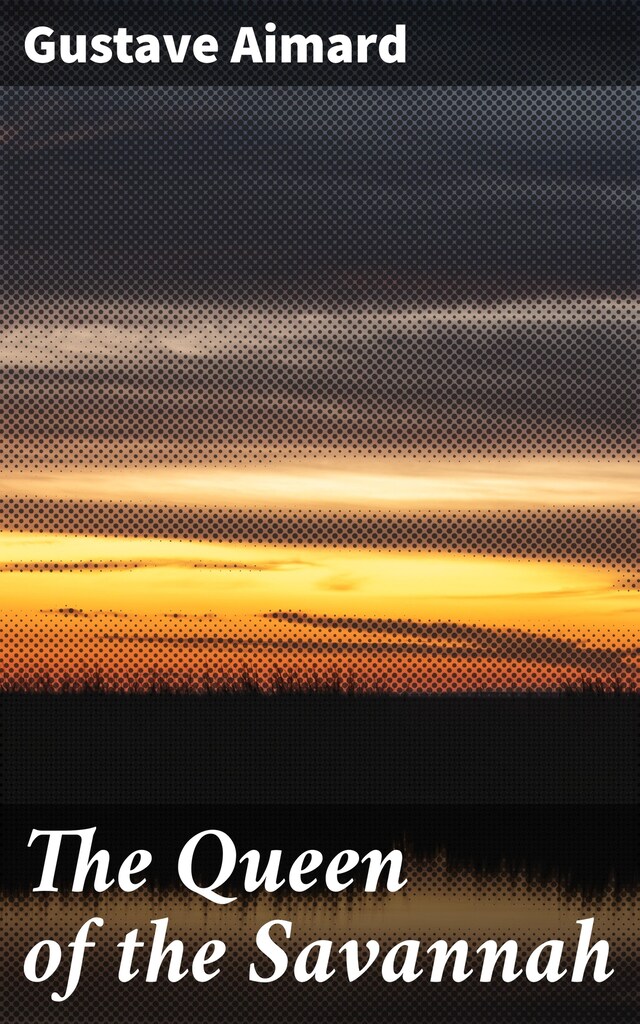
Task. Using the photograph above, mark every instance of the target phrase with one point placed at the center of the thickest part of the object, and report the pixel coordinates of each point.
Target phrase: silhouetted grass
(290, 683)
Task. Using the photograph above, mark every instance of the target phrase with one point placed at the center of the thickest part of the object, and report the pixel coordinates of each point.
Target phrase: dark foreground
(310, 750)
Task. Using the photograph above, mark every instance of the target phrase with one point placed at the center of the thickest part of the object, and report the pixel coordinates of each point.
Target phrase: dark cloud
(345, 195)
(599, 536)
(459, 641)
(424, 644)
(273, 565)
(152, 201)
(565, 380)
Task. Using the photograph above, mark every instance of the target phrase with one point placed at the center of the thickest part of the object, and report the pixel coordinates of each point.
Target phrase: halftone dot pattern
(288, 653)
(439, 903)
(598, 536)
(488, 42)
(207, 272)
(243, 279)
(315, 280)
(552, 376)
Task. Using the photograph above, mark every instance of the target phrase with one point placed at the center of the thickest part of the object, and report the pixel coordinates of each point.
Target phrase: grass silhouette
(290, 683)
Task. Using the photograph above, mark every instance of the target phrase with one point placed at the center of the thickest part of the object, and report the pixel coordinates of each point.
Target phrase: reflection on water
(437, 903)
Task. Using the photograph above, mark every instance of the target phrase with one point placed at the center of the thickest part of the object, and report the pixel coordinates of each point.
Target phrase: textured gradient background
(314, 399)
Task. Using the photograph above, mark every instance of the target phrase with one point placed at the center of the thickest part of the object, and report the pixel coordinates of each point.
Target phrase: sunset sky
(387, 339)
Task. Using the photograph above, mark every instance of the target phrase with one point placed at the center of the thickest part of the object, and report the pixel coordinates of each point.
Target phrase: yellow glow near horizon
(349, 483)
(154, 577)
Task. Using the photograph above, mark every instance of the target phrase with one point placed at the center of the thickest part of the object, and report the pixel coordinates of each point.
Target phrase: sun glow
(151, 576)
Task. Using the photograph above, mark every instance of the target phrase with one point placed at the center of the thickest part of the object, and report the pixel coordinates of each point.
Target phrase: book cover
(318, 511)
